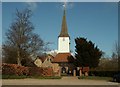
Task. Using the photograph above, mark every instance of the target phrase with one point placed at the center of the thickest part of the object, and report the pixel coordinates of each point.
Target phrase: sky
(96, 21)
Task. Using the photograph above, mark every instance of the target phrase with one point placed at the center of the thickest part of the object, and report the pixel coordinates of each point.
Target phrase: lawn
(0, 76)
(34, 77)
(13, 77)
(95, 78)
(46, 77)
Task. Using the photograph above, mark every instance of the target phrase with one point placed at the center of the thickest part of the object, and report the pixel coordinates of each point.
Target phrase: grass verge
(34, 77)
(46, 77)
(13, 77)
(95, 78)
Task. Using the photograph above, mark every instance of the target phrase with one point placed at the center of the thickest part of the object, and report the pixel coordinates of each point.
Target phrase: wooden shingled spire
(64, 30)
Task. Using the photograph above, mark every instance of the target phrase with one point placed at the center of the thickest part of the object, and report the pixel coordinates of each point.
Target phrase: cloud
(52, 52)
(32, 5)
(70, 5)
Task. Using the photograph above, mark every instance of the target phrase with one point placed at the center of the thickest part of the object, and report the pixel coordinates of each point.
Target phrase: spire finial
(64, 7)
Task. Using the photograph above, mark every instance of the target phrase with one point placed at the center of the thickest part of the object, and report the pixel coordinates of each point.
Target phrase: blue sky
(97, 22)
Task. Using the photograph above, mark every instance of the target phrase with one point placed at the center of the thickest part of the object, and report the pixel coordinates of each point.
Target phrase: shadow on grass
(113, 81)
(108, 79)
(95, 78)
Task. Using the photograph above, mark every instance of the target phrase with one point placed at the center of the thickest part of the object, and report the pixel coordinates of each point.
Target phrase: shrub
(47, 72)
(38, 71)
(14, 69)
(35, 71)
(21, 70)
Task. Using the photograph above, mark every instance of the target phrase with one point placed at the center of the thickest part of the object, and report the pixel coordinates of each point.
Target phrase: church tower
(64, 57)
(64, 38)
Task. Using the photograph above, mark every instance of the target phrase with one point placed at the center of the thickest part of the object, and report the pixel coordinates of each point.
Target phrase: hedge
(14, 69)
(103, 73)
(37, 71)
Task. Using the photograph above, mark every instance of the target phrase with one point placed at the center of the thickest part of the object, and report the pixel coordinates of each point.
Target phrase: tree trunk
(18, 57)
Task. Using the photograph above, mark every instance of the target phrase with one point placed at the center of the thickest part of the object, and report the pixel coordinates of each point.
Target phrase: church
(64, 57)
(62, 63)
(63, 60)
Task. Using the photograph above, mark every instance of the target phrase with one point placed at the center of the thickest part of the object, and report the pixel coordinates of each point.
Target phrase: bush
(35, 71)
(38, 71)
(14, 69)
(47, 72)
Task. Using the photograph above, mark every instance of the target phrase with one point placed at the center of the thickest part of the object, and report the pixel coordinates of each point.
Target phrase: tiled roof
(63, 57)
(43, 58)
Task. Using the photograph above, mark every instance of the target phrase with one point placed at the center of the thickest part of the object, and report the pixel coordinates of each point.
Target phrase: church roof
(64, 31)
(63, 57)
(43, 58)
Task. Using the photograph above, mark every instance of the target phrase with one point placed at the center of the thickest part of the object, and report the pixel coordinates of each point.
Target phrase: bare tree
(116, 48)
(21, 42)
(117, 53)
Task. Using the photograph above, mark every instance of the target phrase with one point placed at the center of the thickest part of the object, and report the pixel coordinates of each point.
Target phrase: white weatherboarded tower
(64, 38)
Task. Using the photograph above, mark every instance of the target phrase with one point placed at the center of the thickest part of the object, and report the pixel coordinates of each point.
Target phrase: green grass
(0, 76)
(95, 78)
(13, 77)
(64, 74)
(46, 77)
(34, 77)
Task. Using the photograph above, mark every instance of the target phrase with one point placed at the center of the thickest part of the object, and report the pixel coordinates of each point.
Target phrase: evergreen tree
(87, 54)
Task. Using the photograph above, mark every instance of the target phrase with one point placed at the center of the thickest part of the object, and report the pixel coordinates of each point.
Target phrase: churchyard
(27, 61)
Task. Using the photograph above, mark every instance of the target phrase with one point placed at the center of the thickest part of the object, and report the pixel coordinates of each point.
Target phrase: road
(63, 81)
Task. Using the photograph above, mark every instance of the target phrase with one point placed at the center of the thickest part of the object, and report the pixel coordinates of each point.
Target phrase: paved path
(63, 81)
(70, 78)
